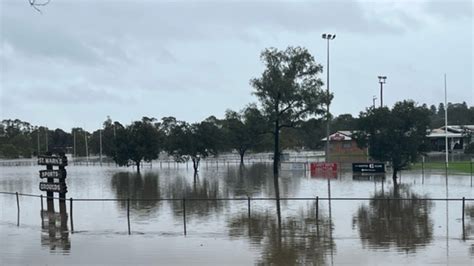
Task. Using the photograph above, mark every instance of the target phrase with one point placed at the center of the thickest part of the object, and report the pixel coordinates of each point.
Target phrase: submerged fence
(317, 199)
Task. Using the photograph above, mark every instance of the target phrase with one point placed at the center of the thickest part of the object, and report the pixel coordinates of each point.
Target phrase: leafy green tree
(289, 90)
(196, 141)
(244, 131)
(397, 135)
(79, 136)
(469, 148)
(60, 140)
(344, 122)
(15, 138)
(140, 141)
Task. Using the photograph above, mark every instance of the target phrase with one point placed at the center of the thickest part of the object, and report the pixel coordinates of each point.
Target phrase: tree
(15, 139)
(140, 141)
(196, 141)
(344, 122)
(397, 135)
(289, 90)
(244, 131)
(60, 140)
(79, 136)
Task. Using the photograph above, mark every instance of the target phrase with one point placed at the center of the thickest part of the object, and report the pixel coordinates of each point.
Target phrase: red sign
(323, 167)
(324, 170)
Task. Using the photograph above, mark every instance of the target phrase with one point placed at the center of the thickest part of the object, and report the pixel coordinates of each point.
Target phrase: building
(343, 148)
(458, 137)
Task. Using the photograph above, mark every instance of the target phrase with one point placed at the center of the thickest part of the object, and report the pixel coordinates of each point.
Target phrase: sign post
(50, 187)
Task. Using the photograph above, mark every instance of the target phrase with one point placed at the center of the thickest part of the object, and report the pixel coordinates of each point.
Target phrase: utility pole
(38, 137)
(100, 146)
(382, 80)
(87, 149)
(74, 141)
(446, 120)
(46, 130)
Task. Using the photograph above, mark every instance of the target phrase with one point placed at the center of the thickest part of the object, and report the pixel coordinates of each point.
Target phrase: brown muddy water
(356, 232)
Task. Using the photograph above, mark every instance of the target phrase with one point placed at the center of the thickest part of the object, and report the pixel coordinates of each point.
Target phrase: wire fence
(248, 199)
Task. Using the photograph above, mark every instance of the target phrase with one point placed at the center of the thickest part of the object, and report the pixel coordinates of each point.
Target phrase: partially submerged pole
(70, 210)
(18, 209)
(128, 215)
(184, 215)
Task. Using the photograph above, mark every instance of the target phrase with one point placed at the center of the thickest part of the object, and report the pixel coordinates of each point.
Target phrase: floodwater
(358, 232)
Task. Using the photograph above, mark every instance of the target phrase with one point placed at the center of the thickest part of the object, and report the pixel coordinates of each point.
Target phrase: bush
(469, 148)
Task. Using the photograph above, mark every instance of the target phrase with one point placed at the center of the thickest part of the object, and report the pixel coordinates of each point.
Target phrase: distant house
(343, 148)
(458, 137)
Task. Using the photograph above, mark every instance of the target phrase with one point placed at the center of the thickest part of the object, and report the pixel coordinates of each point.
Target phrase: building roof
(459, 128)
(341, 135)
(454, 131)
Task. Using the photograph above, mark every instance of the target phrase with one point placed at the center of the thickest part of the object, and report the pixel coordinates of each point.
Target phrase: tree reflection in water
(205, 189)
(138, 186)
(295, 240)
(247, 180)
(300, 241)
(55, 231)
(469, 226)
(404, 224)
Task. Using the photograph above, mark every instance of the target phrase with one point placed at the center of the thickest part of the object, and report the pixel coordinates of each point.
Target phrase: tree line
(290, 114)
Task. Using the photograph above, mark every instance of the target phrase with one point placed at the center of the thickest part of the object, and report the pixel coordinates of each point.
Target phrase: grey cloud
(107, 32)
(45, 41)
(67, 94)
(450, 9)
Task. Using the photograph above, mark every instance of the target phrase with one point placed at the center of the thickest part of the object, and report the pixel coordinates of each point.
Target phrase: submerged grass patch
(464, 166)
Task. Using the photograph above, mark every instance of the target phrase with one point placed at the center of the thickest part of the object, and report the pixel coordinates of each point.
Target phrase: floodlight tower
(327, 37)
(382, 80)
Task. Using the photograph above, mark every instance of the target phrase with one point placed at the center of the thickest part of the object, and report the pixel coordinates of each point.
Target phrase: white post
(74, 142)
(87, 149)
(46, 130)
(446, 120)
(38, 137)
(100, 146)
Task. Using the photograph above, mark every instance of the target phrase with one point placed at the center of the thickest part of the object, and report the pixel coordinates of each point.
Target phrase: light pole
(382, 80)
(373, 100)
(327, 37)
(100, 146)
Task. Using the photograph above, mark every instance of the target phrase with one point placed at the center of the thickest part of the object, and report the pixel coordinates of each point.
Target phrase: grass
(463, 166)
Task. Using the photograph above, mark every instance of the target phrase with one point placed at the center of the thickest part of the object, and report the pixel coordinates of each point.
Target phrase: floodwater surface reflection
(55, 231)
(137, 186)
(404, 224)
(299, 240)
(272, 231)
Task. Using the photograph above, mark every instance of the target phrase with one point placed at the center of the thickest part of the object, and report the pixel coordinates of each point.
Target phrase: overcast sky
(79, 61)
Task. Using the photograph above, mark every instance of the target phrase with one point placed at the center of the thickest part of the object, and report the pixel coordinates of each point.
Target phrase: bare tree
(36, 4)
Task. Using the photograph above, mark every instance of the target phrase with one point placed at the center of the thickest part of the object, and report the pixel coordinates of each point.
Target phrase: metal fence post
(184, 215)
(41, 198)
(248, 205)
(128, 215)
(70, 210)
(317, 208)
(423, 170)
(471, 172)
(18, 209)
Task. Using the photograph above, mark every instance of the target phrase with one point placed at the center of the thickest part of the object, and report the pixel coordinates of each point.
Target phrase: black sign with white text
(368, 167)
(52, 160)
(53, 187)
(61, 173)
